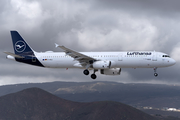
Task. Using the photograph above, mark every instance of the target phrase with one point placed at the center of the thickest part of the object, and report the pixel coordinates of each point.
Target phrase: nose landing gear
(155, 73)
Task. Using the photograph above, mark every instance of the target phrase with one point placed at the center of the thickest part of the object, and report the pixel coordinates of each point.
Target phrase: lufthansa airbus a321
(108, 63)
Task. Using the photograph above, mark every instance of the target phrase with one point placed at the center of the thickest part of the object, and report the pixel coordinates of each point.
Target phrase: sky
(90, 25)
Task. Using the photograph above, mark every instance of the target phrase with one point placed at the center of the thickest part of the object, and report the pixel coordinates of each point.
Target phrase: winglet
(56, 45)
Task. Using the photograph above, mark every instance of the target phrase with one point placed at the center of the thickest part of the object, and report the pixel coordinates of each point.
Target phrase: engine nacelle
(112, 71)
(102, 64)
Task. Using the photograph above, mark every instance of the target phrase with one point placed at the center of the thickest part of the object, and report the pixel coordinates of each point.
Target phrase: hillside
(37, 104)
(157, 96)
(136, 95)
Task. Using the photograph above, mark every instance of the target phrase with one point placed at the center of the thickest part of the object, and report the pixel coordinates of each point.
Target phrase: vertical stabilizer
(19, 44)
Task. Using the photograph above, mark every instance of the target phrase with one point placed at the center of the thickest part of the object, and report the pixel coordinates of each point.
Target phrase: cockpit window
(165, 56)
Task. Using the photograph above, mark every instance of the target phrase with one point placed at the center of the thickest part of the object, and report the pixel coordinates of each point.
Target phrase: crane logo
(20, 46)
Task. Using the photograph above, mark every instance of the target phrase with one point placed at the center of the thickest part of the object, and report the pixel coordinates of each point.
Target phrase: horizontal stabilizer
(14, 55)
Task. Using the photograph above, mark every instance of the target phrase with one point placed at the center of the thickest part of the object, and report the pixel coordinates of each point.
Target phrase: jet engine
(112, 71)
(102, 64)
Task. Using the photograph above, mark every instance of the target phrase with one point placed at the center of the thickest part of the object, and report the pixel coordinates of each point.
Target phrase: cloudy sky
(90, 25)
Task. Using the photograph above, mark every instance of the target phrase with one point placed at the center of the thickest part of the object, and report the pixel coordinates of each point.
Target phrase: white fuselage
(142, 59)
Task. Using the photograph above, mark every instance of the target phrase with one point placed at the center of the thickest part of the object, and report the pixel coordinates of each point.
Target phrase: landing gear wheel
(86, 72)
(155, 74)
(93, 76)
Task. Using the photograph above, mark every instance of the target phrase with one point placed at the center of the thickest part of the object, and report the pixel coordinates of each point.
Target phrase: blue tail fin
(19, 44)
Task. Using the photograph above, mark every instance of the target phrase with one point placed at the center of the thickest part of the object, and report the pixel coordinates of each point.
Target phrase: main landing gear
(155, 73)
(86, 72)
(93, 76)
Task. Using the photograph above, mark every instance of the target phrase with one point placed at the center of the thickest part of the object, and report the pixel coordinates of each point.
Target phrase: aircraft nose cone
(173, 61)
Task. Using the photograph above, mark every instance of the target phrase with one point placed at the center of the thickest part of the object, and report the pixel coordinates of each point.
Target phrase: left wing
(83, 59)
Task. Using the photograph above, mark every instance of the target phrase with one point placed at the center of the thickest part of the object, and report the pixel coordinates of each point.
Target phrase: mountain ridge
(37, 104)
(134, 94)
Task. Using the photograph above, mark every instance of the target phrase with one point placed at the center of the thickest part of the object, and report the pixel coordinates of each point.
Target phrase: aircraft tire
(93, 76)
(86, 72)
(155, 74)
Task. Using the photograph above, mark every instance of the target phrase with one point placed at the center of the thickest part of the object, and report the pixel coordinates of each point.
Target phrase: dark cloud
(161, 8)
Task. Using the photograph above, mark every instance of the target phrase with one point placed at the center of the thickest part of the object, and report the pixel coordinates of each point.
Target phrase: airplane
(108, 63)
